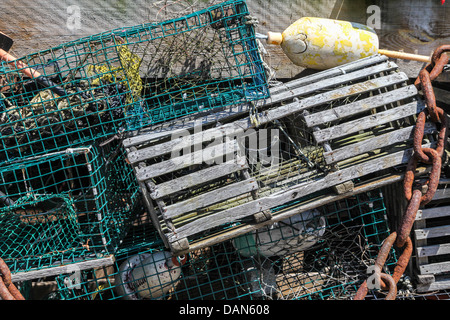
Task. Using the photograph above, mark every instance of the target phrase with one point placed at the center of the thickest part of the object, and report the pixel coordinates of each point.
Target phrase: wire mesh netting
(63, 208)
(318, 254)
(129, 78)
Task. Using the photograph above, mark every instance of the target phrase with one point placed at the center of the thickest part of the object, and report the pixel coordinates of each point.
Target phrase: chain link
(8, 291)
(416, 194)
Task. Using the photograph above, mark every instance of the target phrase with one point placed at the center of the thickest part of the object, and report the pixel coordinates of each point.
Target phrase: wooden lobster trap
(432, 241)
(326, 133)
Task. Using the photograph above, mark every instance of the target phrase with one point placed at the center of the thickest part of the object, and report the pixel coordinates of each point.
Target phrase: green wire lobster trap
(130, 78)
(323, 257)
(64, 208)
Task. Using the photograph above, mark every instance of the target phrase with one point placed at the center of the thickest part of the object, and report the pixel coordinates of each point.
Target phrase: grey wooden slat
(433, 250)
(209, 174)
(369, 121)
(177, 144)
(77, 266)
(291, 194)
(435, 268)
(332, 82)
(210, 198)
(433, 232)
(374, 143)
(190, 122)
(442, 194)
(363, 105)
(329, 73)
(429, 213)
(436, 285)
(211, 153)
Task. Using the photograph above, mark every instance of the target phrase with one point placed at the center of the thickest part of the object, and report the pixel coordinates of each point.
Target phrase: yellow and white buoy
(320, 43)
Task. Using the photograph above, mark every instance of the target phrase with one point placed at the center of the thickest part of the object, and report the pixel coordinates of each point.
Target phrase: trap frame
(64, 208)
(320, 133)
(130, 78)
(331, 267)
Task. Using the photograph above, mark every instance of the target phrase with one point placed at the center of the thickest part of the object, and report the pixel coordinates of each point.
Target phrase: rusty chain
(8, 291)
(416, 194)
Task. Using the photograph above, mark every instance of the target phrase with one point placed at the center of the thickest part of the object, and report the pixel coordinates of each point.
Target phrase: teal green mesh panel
(65, 207)
(321, 256)
(130, 78)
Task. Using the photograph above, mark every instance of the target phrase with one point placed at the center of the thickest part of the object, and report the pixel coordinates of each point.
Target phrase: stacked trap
(320, 134)
(326, 260)
(169, 170)
(65, 208)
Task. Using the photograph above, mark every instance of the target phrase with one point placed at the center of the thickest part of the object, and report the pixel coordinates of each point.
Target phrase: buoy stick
(405, 56)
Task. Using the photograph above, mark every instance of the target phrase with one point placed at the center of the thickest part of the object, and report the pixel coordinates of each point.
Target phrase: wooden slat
(438, 284)
(189, 122)
(210, 198)
(77, 266)
(209, 174)
(430, 213)
(369, 121)
(361, 106)
(186, 141)
(211, 153)
(433, 250)
(441, 194)
(294, 193)
(435, 268)
(434, 232)
(329, 73)
(332, 82)
(374, 143)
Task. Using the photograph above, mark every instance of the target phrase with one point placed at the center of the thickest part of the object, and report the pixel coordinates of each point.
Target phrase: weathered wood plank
(180, 125)
(332, 82)
(374, 143)
(296, 192)
(429, 213)
(369, 121)
(48, 272)
(433, 232)
(210, 198)
(435, 268)
(441, 194)
(182, 141)
(327, 74)
(210, 154)
(437, 285)
(433, 250)
(208, 174)
(361, 106)
(300, 207)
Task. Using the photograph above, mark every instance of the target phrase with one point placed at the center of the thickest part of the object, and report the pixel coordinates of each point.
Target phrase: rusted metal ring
(418, 138)
(438, 53)
(5, 273)
(429, 96)
(8, 291)
(403, 260)
(392, 294)
(433, 181)
(408, 218)
(408, 180)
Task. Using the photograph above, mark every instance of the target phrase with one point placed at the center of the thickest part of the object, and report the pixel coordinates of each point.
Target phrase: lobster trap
(312, 256)
(129, 78)
(69, 207)
(317, 135)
